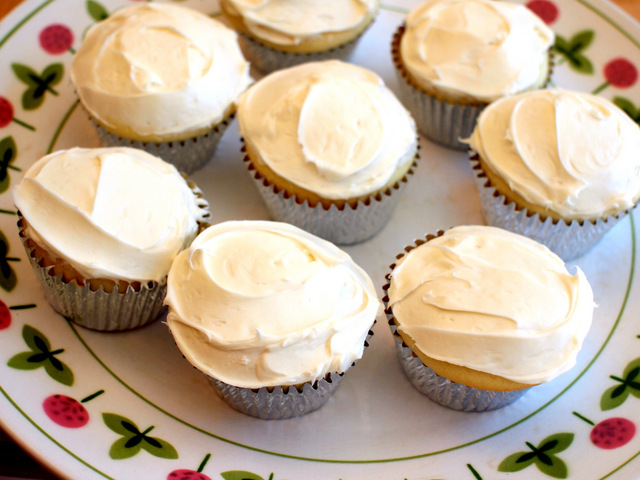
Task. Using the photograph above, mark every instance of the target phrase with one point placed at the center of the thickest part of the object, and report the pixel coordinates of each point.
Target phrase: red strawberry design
(56, 39)
(6, 115)
(5, 316)
(612, 433)
(545, 9)
(67, 411)
(187, 474)
(620, 73)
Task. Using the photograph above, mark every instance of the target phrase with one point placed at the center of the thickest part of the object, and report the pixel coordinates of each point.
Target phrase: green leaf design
(516, 462)
(133, 440)
(543, 456)
(628, 384)
(97, 11)
(120, 451)
(240, 475)
(8, 153)
(159, 448)
(573, 50)
(628, 107)
(41, 355)
(8, 277)
(38, 84)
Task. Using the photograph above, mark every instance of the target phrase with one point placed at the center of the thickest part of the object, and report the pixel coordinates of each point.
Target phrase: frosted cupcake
(162, 78)
(277, 34)
(329, 146)
(558, 166)
(479, 315)
(273, 315)
(454, 57)
(101, 228)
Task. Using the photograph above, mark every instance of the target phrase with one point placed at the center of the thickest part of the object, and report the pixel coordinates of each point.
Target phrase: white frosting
(117, 213)
(477, 49)
(159, 70)
(288, 22)
(493, 301)
(573, 153)
(330, 127)
(259, 303)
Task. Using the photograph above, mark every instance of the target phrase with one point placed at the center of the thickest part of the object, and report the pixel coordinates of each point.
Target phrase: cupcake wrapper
(442, 122)
(345, 226)
(99, 310)
(186, 155)
(278, 403)
(567, 240)
(266, 59)
(445, 392)
(424, 379)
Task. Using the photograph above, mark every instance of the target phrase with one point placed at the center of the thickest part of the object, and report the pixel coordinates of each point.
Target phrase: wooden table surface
(11, 454)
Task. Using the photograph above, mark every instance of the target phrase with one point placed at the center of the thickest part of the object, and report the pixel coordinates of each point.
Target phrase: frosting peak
(478, 49)
(573, 153)
(257, 303)
(345, 148)
(493, 301)
(116, 213)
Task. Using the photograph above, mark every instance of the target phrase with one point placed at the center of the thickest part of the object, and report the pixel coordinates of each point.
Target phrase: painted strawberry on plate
(67, 411)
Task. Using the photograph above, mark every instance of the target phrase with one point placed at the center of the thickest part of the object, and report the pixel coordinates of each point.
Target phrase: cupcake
(480, 315)
(273, 315)
(329, 147)
(162, 78)
(453, 57)
(276, 34)
(101, 228)
(560, 167)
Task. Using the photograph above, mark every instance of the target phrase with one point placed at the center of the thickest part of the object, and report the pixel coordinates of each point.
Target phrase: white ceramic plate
(376, 425)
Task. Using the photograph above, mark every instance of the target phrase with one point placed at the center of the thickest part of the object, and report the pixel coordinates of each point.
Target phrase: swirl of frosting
(475, 49)
(116, 213)
(260, 303)
(573, 153)
(330, 127)
(493, 301)
(287, 22)
(157, 70)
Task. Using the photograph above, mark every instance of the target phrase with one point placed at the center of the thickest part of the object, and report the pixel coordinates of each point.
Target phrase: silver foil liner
(98, 310)
(424, 379)
(278, 403)
(266, 59)
(345, 226)
(445, 392)
(186, 155)
(567, 240)
(442, 122)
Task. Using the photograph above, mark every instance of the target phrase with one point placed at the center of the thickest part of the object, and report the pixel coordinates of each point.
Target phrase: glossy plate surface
(376, 425)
